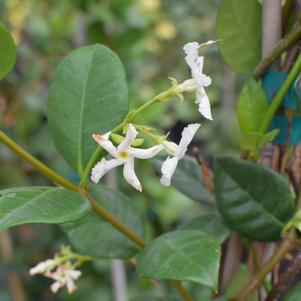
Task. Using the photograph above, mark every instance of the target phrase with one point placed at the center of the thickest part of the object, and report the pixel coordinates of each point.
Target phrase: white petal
(203, 101)
(191, 48)
(102, 167)
(129, 174)
(187, 136)
(129, 138)
(56, 286)
(104, 142)
(145, 153)
(74, 274)
(168, 168)
(71, 287)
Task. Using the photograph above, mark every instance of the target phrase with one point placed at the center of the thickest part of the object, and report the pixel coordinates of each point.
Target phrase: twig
(285, 43)
(205, 170)
(286, 279)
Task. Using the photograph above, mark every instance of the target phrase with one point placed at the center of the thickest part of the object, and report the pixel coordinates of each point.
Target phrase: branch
(286, 279)
(285, 43)
(287, 245)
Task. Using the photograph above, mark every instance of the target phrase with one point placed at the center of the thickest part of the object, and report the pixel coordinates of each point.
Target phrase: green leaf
(182, 255)
(238, 28)
(294, 294)
(93, 236)
(88, 95)
(253, 200)
(154, 298)
(8, 52)
(241, 277)
(211, 224)
(40, 205)
(252, 107)
(254, 141)
(188, 179)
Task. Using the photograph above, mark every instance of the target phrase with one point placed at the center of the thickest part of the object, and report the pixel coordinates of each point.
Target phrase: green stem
(279, 96)
(106, 215)
(132, 115)
(285, 43)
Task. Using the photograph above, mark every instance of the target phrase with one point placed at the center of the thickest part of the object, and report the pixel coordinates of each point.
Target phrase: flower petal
(129, 174)
(168, 168)
(74, 274)
(56, 286)
(145, 153)
(187, 136)
(71, 287)
(129, 138)
(102, 167)
(104, 142)
(203, 101)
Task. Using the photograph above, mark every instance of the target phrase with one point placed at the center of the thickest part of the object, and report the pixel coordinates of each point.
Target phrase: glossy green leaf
(188, 179)
(252, 107)
(88, 95)
(8, 52)
(238, 30)
(93, 236)
(182, 255)
(294, 294)
(253, 200)
(40, 205)
(254, 141)
(155, 298)
(211, 224)
(241, 277)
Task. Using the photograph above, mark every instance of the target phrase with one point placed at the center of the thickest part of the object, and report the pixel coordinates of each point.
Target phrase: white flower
(63, 275)
(43, 267)
(196, 63)
(124, 154)
(177, 151)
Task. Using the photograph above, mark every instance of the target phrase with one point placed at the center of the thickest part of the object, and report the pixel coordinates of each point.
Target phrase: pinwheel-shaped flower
(199, 79)
(177, 151)
(123, 154)
(63, 275)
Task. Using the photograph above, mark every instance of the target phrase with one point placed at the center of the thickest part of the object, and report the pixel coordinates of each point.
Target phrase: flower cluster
(125, 153)
(61, 269)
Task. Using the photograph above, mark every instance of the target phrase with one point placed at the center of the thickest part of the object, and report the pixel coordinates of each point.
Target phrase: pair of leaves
(94, 236)
(188, 180)
(252, 108)
(8, 52)
(88, 95)
(40, 205)
(238, 29)
(253, 200)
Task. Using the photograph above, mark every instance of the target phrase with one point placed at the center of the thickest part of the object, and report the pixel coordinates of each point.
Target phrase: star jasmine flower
(123, 154)
(199, 79)
(177, 152)
(63, 275)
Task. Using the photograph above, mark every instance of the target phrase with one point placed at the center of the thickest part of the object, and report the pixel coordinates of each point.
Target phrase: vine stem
(105, 214)
(279, 96)
(285, 43)
(287, 245)
(162, 96)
